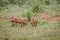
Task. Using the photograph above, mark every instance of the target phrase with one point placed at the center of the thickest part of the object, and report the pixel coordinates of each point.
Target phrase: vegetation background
(29, 8)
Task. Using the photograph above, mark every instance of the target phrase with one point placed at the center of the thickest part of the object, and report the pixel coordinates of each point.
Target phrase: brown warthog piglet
(34, 21)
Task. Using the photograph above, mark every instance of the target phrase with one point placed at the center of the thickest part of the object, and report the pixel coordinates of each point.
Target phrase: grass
(41, 32)
(44, 30)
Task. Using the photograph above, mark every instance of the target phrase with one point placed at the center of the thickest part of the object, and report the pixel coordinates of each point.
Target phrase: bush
(29, 16)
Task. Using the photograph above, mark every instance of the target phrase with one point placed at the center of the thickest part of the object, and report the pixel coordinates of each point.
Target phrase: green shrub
(29, 16)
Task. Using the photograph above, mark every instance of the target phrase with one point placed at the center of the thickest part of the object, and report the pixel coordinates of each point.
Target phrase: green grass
(41, 32)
